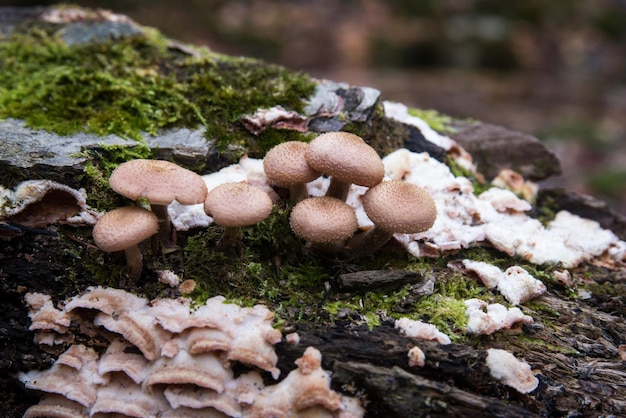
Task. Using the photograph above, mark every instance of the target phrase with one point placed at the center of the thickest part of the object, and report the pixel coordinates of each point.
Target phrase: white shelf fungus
(515, 283)
(512, 372)
(488, 318)
(166, 359)
(421, 330)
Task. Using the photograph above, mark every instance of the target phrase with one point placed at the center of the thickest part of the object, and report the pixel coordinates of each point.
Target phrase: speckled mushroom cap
(347, 157)
(323, 219)
(124, 227)
(286, 164)
(158, 181)
(400, 207)
(237, 204)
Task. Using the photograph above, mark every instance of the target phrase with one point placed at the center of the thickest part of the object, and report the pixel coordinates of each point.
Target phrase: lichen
(136, 85)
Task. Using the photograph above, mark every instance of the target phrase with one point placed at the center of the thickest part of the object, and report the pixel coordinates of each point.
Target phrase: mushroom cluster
(327, 221)
(158, 182)
(164, 359)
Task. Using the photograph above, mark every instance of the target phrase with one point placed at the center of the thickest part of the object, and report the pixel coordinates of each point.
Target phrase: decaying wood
(575, 349)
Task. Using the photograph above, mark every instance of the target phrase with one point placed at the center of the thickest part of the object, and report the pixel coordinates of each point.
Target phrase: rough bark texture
(573, 346)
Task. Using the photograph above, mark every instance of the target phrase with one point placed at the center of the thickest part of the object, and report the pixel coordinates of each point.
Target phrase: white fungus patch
(515, 283)
(168, 277)
(512, 372)
(488, 318)
(421, 330)
(416, 356)
(400, 112)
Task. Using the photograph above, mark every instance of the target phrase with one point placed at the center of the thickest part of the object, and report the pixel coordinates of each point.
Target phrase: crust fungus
(203, 370)
(347, 159)
(128, 399)
(56, 406)
(323, 220)
(74, 375)
(515, 283)
(119, 358)
(421, 330)
(394, 207)
(495, 318)
(160, 182)
(235, 205)
(512, 372)
(38, 203)
(285, 165)
(44, 316)
(179, 382)
(122, 229)
(305, 388)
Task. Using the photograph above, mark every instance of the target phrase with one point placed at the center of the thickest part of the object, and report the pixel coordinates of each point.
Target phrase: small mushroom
(347, 159)
(323, 220)
(121, 230)
(235, 205)
(160, 182)
(285, 165)
(393, 206)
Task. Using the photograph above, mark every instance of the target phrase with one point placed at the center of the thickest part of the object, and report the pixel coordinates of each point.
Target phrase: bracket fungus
(160, 183)
(285, 165)
(235, 205)
(347, 159)
(122, 229)
(394, 206)
(175, 380)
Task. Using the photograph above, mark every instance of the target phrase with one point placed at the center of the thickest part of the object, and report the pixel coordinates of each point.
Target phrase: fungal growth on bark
(170, 359)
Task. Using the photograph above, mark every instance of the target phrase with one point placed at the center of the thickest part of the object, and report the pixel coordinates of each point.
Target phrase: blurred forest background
(555, 69)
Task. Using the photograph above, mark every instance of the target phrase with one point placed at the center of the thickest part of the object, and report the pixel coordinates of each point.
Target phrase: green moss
(136, 85)
(269, 267)
(437, 121)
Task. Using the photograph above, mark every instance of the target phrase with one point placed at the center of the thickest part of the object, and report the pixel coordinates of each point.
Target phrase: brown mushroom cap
(124, 227)
(285, 164)
(158, 181)
(237, 204)
(400, 207)
(323, 219)
(347, 157)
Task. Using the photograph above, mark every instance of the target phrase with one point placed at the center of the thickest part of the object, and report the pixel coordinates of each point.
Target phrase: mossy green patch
(136, 84)
(268, 267)
(437, 121)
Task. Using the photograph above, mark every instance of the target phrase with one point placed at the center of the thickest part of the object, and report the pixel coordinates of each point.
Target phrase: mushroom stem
(297, 192)
(229, 237)
(134, 261)
(164, 236)
(368, 242)
(338, 189)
